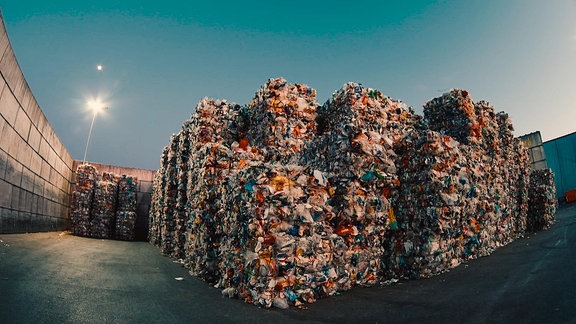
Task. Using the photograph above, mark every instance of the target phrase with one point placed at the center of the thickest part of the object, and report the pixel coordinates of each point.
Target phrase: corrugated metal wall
(533, 142)
(561, 158)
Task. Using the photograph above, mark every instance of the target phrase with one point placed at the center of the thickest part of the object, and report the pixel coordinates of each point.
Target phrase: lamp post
(96, 107)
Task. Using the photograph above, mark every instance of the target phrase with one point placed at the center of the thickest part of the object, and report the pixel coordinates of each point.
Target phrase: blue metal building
(561, 158)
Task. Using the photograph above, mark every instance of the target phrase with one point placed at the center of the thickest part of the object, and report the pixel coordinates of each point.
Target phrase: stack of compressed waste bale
(288, 201)
(542, 196)
(82, 199)
(180, 213)
(126, 212)
(214, 156)
(435, 227)
(104, 206)
(156, 201)
(167, 228)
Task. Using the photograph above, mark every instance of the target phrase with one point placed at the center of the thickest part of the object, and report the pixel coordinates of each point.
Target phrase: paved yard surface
(59, 278)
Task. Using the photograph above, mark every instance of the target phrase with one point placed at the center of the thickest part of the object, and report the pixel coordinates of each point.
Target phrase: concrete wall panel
(23, 124)
(35, 168)
(8, 106)
(5, 194)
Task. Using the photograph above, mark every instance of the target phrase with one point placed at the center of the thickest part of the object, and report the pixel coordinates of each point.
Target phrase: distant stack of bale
(516, 175)
(542, 194)
(288, 201)
(156, 201)
(170, 191)
(126, 212)
(104, 207)
(82, 199)
(181, 211)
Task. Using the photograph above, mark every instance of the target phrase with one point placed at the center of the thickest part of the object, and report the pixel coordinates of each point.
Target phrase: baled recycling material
(543, 204)
(126, 211)
(283, 201)
(82, 199)
(103, 206)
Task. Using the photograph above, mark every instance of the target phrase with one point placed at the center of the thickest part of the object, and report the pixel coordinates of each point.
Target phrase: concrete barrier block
(3, 161)
(33, 203)
(4, 41)
(35, 163)
(52, 158)
(15, 201)
(48, 207)
(24, 154)
(45, 171)
(38, 185)
(9, 67)
(13, 171)
(44, 148)
(27, 182)
(23, 222)
(53, 176)
(16, 143)
(10, 140)
(49, 191)
(27, 100)
(2, 124)
(23, 124)
(41, 204)
(24, 201)
(8, 220)
(5, 194)
(8, 106)
(42, 122)
(34, 139)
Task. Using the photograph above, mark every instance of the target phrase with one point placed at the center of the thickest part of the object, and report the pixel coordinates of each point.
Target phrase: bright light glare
(95, 105)
(99, 67)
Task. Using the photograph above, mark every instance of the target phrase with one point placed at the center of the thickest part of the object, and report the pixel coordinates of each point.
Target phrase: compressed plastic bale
(82, 199)
(282, 119)
(168, 216)
(453, 114)
(542, 200)
(214, 129)
(104, 206)
(357, 121)
(155, 208)
(435, 224)
(289, 201)
(180, 212)
(126, 211)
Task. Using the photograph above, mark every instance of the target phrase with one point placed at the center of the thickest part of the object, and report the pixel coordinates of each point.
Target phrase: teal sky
(161, 57)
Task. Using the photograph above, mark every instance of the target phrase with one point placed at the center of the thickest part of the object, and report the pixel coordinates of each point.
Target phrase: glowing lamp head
(96, 106)
(99, 67)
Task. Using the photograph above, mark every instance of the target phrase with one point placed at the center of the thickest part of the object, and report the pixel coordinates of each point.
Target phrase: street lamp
(96, 106)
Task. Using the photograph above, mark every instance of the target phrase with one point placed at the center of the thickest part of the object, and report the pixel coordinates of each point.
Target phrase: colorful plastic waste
(543, 203)
(103, 206)
(288, 201)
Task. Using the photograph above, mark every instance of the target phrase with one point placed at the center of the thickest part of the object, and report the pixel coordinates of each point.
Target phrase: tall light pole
(96, 107)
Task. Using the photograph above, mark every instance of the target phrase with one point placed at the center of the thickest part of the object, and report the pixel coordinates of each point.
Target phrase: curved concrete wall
(35, 168)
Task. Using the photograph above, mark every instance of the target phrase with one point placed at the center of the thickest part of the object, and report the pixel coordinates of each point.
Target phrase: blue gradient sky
(161, 57)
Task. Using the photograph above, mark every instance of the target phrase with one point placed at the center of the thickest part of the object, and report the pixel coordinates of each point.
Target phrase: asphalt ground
(59, 278)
